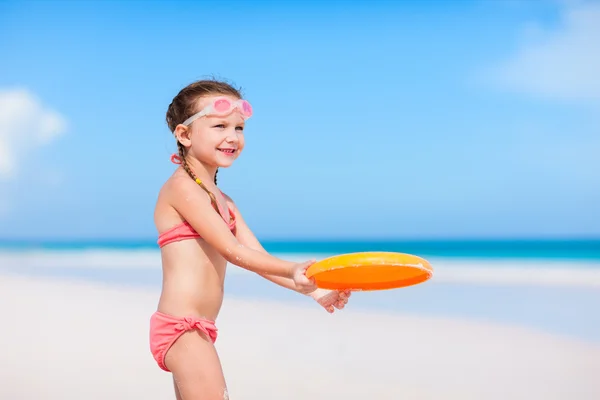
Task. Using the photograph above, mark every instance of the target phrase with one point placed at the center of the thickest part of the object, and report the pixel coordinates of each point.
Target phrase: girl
(200, 230)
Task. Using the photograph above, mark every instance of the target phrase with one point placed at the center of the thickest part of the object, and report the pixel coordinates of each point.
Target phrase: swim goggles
(222, 106)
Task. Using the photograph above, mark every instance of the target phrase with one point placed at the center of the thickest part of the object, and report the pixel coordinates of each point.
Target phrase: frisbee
(369, 271)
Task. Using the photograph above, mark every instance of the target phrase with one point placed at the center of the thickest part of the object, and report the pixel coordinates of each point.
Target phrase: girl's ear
(182, 134)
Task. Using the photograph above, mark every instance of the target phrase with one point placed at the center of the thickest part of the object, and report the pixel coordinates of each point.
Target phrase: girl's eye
(240, 128)
(220, 126)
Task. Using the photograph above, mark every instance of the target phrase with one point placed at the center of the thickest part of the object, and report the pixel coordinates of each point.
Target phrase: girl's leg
(196, 368)
(177, 395)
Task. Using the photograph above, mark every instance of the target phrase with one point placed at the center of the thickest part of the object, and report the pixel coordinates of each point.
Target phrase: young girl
(200, 230)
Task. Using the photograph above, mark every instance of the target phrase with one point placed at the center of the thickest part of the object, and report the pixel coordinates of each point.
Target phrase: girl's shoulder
(176, 182)
(174, 188)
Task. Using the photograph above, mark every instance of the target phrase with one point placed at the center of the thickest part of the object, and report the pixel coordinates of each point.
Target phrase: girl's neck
(206, 173)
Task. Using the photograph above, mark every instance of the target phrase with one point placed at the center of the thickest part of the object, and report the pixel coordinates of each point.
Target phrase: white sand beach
(78, 340)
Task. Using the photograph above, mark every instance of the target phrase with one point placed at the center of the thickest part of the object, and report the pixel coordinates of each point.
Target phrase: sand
(78, 340)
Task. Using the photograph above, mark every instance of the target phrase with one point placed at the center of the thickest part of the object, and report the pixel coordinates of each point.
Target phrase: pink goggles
(222, 106)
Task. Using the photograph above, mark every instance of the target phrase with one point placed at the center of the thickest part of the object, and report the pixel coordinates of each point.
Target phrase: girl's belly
(193, 279)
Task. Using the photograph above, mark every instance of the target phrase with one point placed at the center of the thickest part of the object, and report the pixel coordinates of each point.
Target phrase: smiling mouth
(227, 151)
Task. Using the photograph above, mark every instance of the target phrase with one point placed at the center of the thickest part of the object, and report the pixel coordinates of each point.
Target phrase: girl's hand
(302, 283)
(331, 298)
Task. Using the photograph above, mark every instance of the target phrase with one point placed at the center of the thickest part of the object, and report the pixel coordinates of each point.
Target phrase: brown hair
(184, 104)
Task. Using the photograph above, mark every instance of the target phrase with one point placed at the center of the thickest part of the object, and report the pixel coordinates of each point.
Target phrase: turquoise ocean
(548, 285)
(581, 249)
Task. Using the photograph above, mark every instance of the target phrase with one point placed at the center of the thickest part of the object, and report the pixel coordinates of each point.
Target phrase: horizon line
(547, 238)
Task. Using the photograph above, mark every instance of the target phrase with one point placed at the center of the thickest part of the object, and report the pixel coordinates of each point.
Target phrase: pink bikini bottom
(166, 329)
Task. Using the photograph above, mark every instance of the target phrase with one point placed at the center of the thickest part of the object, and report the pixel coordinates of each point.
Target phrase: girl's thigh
(196, 368)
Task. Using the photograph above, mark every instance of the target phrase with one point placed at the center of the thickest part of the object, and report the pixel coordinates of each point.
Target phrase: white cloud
(25, 124)
(561, 63)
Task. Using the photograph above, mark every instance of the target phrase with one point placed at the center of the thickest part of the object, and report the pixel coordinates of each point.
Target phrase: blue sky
(372, 119)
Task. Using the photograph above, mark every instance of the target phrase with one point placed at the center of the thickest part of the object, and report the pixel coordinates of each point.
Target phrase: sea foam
(446, 270)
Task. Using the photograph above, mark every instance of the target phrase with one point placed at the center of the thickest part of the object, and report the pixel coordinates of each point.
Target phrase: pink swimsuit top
(184, 231)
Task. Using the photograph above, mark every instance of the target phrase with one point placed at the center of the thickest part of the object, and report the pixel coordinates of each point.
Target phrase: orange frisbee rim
(368, 271)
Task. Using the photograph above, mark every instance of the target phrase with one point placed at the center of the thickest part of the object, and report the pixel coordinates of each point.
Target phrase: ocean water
(553, 286)
(581, 249)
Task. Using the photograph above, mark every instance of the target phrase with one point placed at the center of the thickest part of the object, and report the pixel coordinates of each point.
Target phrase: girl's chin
(225, 160)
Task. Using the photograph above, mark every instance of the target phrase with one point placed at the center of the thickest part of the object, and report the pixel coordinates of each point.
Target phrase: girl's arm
(247, 238)
(195, 207)
(328, 299)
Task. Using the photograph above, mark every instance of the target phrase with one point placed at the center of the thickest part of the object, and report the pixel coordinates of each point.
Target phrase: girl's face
(217, 140)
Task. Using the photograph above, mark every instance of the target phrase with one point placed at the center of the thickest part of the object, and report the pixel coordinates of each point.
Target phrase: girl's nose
(232, 138)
